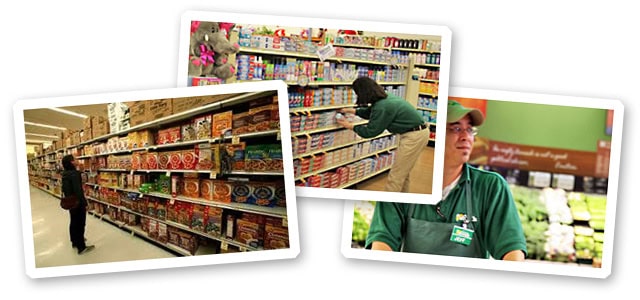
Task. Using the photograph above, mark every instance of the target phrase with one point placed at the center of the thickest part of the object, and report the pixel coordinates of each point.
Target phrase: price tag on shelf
(278, 136)
(213, 175)
(242, 249)
(131, 172)
(133, 233)
(285, 222)
(235, 139)
(168, 174)
(172, 201)
(224, 246)
(140, 195)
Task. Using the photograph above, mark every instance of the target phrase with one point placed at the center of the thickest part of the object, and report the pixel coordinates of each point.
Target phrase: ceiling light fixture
(68, 112)
(43, 135)
(44, 125)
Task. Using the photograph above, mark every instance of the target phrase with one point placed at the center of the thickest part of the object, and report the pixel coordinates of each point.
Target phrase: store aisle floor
(421, 181)
(53, 248)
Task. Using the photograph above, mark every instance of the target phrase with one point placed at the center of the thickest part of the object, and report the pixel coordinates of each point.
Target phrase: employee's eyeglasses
(458, 129)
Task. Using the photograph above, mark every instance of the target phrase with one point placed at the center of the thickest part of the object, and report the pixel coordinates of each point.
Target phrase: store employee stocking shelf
(388, 112)
(477, 218)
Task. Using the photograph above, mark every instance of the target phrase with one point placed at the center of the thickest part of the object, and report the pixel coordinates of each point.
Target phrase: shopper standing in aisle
(72, 184)
(392, 113)
(477, 218)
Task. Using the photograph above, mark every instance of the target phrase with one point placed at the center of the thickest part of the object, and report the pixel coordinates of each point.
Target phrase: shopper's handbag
(69, 202)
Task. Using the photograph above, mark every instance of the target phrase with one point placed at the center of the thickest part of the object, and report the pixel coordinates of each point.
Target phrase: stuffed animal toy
(209, 50)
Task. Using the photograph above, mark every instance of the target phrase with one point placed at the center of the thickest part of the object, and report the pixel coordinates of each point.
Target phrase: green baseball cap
(455, 112)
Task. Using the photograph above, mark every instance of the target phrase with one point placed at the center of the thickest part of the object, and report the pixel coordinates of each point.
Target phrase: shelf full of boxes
(196, 175)
(326, 155)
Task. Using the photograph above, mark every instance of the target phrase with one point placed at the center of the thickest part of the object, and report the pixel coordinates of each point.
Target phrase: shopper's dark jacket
(72, 184)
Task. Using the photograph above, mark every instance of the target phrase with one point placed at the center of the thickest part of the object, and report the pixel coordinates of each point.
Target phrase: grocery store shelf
(188, 143)
(255, 173)
(211, 236)
(348, 184)
(345, 163)
(270, 211)
(426, 108)
(245, 97)
(302, 110)
(387, 48)
(429, 80)
(328, 83)
(47, 191)
(428, 65)
(323, 129)
(139, 232)
(340, 146)
(311, 56)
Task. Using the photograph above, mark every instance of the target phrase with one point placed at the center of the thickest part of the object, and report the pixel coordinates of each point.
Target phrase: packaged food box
(213, 220)
(197, 217)
(163, 160)
(263, 194)
(191, 187)
(237, 152)
(203, 126)
(222, 191)
(188, 132)
(241, 191)
(249, 233)
(222, 124)
(240, 123)
(206, 189)
(163, 235)
(276, 237)
(189, 159)
(256, 157)
(153, 229)
(175, 160)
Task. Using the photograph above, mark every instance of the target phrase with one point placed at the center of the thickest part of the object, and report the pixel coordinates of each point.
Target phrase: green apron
(434, 237)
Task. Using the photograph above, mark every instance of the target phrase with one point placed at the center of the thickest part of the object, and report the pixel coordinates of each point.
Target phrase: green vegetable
(360, 227)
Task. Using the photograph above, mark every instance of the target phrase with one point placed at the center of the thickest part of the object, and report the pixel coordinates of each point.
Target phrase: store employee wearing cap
(477, 218)
(392, 113)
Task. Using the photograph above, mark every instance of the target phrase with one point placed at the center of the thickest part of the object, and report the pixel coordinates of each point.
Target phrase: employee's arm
(515, 255)
(380, 246)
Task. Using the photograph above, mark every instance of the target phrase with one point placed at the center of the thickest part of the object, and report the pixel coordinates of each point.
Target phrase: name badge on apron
(461, 235)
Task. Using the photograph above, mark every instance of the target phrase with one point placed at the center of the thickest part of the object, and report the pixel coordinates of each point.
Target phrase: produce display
(558, 225)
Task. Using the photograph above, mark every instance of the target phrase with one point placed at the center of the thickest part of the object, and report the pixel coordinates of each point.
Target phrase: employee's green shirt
(392, 113)
(498, 226)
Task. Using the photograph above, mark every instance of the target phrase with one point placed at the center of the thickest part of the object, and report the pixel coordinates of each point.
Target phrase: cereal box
(241, 190)
(240, 123)
(275, 237)
(222, 123)
(189, 159)
(213, 220)
(175, 160)
(206, 189)
(197, 217)
(263, 194)
(222, 191)
(191, 187)
(203, 127)
(188, 131)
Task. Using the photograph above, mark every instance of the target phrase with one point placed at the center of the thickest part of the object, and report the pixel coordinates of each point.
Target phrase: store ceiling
(54, 118)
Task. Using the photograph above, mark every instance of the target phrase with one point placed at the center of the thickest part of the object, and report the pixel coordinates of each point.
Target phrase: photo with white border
(223, 247)
(402, 49)
(559, 156)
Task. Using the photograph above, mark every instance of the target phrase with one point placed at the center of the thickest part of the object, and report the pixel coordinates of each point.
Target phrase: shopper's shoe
(86, 249)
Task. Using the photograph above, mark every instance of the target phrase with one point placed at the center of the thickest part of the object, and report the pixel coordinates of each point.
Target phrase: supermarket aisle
(51, 238)
(421, 181)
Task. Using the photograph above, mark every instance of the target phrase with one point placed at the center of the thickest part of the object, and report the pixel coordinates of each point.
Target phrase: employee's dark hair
(67, 162)
(368, 91)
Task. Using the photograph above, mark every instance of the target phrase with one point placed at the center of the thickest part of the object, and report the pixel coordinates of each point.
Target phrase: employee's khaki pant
(410, 145)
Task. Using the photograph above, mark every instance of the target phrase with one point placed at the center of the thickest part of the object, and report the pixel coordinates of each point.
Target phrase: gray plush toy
(209, 49)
